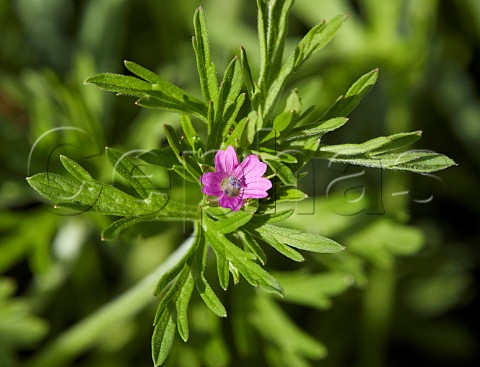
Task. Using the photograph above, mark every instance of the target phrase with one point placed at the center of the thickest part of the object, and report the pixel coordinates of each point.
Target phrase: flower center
(231, 186)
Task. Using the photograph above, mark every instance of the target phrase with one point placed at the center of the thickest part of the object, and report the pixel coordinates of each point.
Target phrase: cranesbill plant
(249, 162)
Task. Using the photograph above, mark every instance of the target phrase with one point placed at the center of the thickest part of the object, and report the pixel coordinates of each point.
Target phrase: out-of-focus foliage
(414, 303)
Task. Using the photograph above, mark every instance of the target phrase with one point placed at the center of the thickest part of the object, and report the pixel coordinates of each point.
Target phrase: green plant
(251, 114)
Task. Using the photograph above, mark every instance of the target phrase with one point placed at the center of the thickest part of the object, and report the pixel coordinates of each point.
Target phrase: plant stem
(92, 329)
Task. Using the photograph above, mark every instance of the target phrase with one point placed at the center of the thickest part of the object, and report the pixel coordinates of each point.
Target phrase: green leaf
(238, 136)
(227, 105)
(75, 169)
(282, 123)
(306, 148)
(201, 46)
(287, 194)
(94, 196)
(162, 339)
(165, 215)
(229, 222)
(378, 145)
(253, 246)
(254, 123)
(173, 140)
(274, 217)
(294, 102)
(273, 155)
(155, 80)
(173, 272)
(414, 161)
(183, 173)
(190, 132)
(316, 129)
(209, 297)
(198, 270)
(296, 238)
(283, 172)
(317, 38)
(170, 297)
(344, 105)
(222, 268)
(120, 83)
(251, 271)
(260, 220)
(425, 162)
(272, 30)
(220, 252)
(235, 274)
(181, 305)
(280, 247)
(125, 166)
(185, 158)
(247, 74)
(164, 157)
(162, 95)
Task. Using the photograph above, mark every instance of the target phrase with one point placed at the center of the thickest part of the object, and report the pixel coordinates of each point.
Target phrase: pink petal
(235, 203)
(211, 178)
(226, 160)
(256, 188)
(251, 167)
(211, 183)
(212, 190)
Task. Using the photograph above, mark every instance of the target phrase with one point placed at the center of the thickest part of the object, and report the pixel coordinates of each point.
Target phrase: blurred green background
(412, 256)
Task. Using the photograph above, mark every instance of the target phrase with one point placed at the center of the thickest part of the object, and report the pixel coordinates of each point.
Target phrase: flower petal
(211, 183)
(226, 160)
(256, 188)
(251, 167)
(235, 203)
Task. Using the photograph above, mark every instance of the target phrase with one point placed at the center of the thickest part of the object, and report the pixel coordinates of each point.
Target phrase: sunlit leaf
(296, 238)
(251, 271)
(205, 67)
(181, 306)
(129, 170)
(201, 284)
(227, 104)
(159, 95)
(317, 38)
(414, 161)
(344, 105)
(374, 146)
(316, 129)
(162, 339)
(253, 246)
(228, 223)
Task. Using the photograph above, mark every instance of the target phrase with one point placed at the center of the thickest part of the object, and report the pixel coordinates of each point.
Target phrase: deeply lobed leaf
(344, 105)
(205, 67)
(296, 238)
(317, 38)
(94, 196)
(162, 95)
(413, 161)
(379, 145)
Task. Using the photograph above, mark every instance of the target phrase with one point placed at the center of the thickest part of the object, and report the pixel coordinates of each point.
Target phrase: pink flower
(233, 182)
